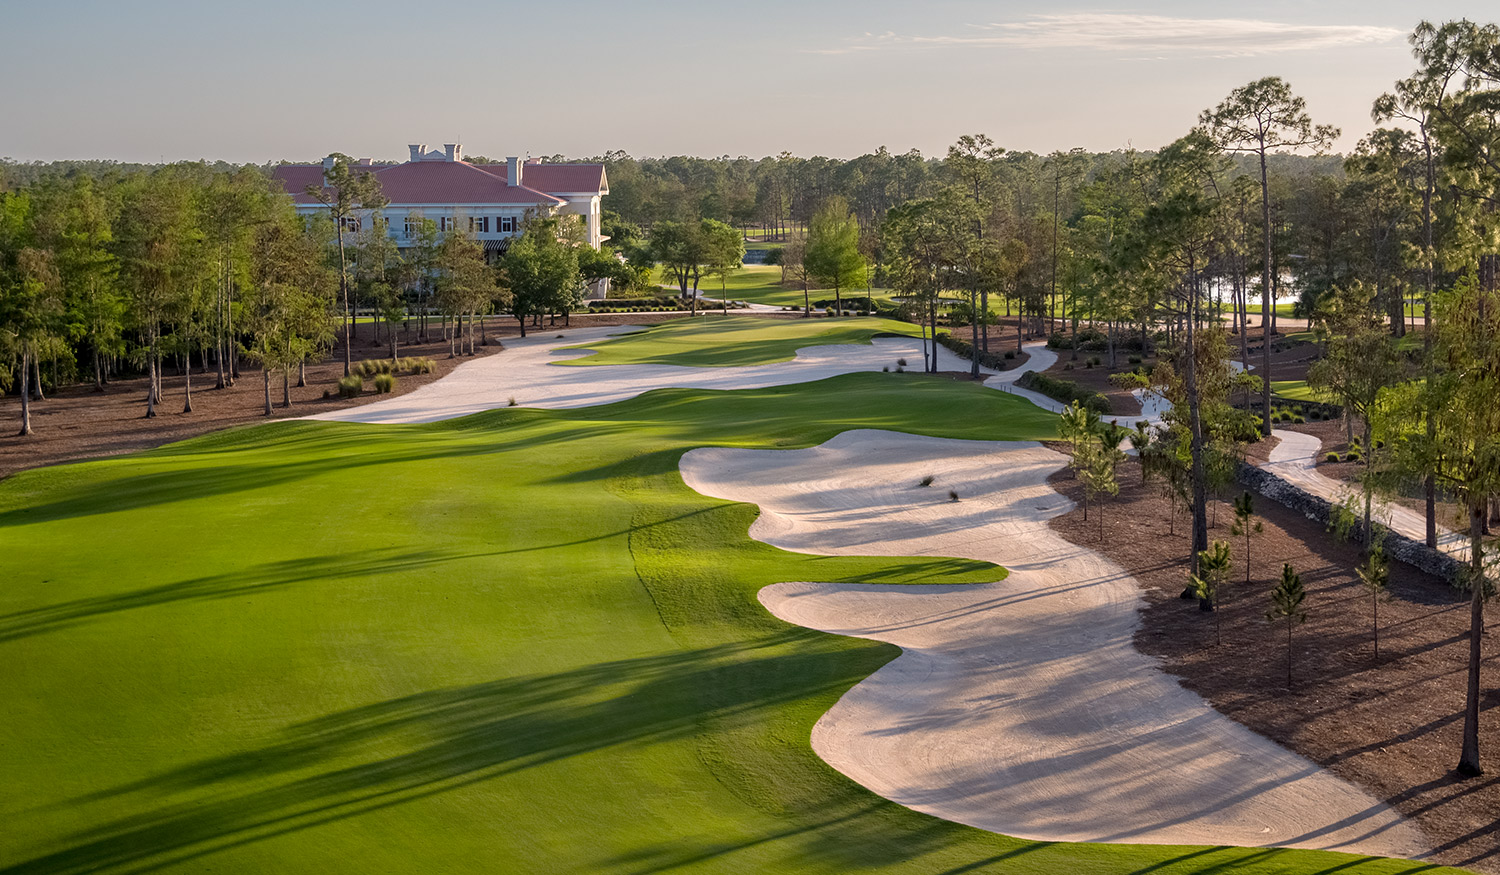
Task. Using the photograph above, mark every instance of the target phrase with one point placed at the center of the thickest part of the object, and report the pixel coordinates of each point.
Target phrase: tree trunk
(1266, 302)
(301, 372)
(187, 386)
(1195, 425)
(286, 387)
(344, 290)
(36, 384)
(266, 380)
(1468, 762)
(25, 392)
(974, 353)
(521, 320)
(984, 310)
(150, 385)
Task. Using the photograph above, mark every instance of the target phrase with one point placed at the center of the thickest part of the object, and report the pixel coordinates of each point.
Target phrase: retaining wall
(1399, 547)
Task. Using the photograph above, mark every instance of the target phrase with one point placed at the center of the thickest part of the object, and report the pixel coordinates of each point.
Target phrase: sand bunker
(525, 373)
(1020, 707)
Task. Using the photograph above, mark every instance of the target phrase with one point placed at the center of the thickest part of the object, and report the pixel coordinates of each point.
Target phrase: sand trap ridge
(1020, 707)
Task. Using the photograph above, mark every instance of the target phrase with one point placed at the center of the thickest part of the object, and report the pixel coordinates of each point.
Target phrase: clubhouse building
(489, 201)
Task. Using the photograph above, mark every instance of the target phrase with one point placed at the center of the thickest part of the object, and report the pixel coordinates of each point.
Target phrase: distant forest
(764, 196)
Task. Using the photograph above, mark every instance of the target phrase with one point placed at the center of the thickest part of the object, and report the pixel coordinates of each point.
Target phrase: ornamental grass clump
(351, 386)
(384, 383)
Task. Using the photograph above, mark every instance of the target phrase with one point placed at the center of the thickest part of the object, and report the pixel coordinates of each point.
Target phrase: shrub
(1298, 418)
(952, 496)
(351, 386)
(1331, 457)
(885, 369)
(1065, 391)
(422, 366)
(1088, 364)
(901, 362)
(900, 370)
(1010, 354)
(1095, 361)
(512, 402)
(384, 383)
(927, 481)
(1134, 359)
(327, 394)
(1352, 456)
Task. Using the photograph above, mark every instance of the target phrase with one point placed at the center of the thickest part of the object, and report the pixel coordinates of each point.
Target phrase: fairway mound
(1021, 706)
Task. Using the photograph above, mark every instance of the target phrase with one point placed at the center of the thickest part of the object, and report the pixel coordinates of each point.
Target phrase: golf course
(512, 641)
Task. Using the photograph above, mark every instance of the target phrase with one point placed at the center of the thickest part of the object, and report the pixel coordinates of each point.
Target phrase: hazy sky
(142, 81)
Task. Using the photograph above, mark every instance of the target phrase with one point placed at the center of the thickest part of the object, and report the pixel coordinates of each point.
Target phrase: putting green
(514, 642)
(726, 341)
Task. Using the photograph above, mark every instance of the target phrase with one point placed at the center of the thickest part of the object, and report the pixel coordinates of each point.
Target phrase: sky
(151, 80)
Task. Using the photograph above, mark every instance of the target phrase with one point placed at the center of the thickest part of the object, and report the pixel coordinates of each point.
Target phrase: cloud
(1143, 36)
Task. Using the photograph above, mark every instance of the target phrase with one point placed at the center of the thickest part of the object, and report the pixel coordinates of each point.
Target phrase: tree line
(109, 272)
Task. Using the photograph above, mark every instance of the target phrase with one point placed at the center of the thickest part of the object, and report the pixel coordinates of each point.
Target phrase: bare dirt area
(76, 422)
(1392, 726)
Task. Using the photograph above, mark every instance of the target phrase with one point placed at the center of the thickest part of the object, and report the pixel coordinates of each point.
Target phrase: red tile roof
(456, 182)
(558, 178)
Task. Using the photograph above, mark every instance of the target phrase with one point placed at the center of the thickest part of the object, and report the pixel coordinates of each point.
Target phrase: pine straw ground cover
(513, 642)
(78, 423)
(1392, 726)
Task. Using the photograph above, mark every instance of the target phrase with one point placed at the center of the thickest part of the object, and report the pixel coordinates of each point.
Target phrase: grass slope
(724, 341)
(1296, 390)
(514, 642)
(761, 284)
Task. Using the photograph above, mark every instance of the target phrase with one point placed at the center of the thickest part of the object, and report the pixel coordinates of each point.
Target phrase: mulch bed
(76, 423)
(1392, 726)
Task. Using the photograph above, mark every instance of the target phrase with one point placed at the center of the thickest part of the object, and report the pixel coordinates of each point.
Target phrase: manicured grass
(1281, 309)
(720, 341)
(1296, 390)
(510, 643)
(761, 284)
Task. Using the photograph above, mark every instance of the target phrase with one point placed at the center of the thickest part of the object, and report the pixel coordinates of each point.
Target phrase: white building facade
(490, 202)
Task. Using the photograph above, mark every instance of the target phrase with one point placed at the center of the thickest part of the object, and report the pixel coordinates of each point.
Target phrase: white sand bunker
(1022, 706)
(525, 372)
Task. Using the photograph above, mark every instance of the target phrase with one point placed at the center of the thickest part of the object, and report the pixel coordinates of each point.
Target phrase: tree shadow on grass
(322, 770)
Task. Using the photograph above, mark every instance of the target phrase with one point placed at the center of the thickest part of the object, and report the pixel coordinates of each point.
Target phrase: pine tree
(1286, 604)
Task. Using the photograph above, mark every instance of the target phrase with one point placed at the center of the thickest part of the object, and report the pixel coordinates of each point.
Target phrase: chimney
(327, 164)
(417, 151)
(513, 171)
(453, 151)
(365, 162)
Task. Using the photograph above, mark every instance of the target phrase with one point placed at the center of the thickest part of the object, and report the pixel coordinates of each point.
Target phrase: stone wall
(1399, 547)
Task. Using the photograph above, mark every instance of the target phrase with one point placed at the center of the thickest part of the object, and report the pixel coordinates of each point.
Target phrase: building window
(480, 224)
(507, 224)
(445, 223)
(352, 224)
(409, 227)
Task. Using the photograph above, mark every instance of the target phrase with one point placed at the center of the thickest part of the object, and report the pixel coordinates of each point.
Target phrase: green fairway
(1296, 390)
(722, 341)
(514, 642)
(1281, 309)
(761, 284)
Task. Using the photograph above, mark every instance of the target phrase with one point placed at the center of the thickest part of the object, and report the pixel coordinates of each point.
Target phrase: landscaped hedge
(1064, 391)
(659, 304)
(965, 349)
